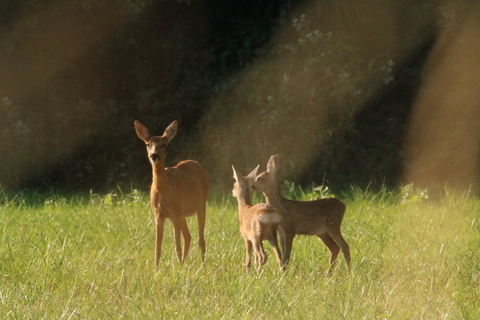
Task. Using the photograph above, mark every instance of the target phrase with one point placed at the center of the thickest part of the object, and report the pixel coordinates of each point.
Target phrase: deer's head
(242, 185)
(267, 179)
(156, 145)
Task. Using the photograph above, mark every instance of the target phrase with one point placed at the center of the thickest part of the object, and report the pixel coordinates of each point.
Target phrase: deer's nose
(154, 157)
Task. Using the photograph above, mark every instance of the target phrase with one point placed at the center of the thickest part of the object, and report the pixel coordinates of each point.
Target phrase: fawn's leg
(159, 225)
(201, 229)
(337, 236)
(287, 243)
(274, 242)
(187, 238)
(260, 255)
(334, 250)
(248, 250)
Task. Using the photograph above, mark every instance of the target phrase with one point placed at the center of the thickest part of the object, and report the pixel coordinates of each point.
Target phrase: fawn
(176, 193)
(321, 218)
(257, 223)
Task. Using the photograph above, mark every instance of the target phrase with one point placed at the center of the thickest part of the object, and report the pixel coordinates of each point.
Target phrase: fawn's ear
(238, 177)
(142, 131)
(273, 164)
(171, 131)
(235, 174)
(253, 174)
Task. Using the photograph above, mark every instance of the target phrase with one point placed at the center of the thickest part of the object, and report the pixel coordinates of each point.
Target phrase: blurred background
(347, 92)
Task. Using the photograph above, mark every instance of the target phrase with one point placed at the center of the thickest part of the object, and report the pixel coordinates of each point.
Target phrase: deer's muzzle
(154, 157)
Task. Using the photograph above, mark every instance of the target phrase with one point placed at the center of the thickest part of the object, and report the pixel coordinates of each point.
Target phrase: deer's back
(188, 173)
(313, 217)
(257, 219)
(185, 190)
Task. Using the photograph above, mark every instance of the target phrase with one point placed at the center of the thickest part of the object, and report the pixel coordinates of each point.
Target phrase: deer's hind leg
(201, 214)
(337, 236)
(334, 250)
(179, 225)
(248, 253)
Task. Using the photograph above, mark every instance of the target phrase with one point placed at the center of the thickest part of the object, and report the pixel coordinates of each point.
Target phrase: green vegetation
(91, 257)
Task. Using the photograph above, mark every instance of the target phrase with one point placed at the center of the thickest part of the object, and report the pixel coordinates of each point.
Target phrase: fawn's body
(322, 218)
(257, 223)
(176, 192)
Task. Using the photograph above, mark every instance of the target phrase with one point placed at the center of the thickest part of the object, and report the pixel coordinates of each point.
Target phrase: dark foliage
(369, 151)
(68, 106)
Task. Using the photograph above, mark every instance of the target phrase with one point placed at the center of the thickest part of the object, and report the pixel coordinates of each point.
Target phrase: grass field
(91, 257)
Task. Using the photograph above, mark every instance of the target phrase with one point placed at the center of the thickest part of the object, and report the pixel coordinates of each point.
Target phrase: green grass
(93, 258)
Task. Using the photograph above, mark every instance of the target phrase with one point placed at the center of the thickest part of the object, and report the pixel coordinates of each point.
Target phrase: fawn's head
(156, 145)
(243, 185)
(267, 179)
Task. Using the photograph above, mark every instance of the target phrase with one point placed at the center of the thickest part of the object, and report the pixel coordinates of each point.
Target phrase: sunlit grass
(93, 258)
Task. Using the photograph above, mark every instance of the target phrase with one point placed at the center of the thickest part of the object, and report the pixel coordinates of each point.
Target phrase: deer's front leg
(187, 238)
(260, 255)
(274, 242)
(159, 224)
(176, 233)
(287, 242)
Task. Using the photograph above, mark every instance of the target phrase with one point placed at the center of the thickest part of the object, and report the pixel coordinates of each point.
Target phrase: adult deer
(176, 193)
(257, 223)
(321, 218)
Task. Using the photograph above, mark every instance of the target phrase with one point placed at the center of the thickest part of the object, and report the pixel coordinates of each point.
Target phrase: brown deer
(176, 193)
(321, 218)
(257, 223)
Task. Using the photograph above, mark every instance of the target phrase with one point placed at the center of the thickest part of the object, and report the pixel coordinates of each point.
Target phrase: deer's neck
(244, 200)
(159, 181)
(243, 203)
(273, 196)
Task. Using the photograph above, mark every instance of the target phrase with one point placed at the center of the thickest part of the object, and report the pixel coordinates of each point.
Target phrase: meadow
(92, 257)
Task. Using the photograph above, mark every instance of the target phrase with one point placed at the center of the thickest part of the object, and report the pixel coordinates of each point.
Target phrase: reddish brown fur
(322, 218)
(176, 193)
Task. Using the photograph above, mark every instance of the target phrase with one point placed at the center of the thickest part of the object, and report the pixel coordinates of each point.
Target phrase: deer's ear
(142, 131)
(272, 165)
(171, 131)
(238, 177)
(235, 174)
(253, 174)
